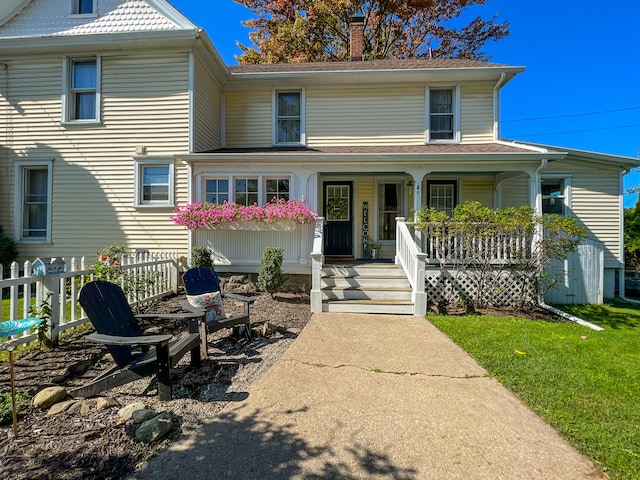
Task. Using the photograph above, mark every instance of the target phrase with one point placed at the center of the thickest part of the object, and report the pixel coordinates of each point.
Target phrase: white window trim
(18, 196)
(67, 109)
(567, 208)
(139, 163)
(274, 120)
(456, 113)
(262, 187)
(75, 14)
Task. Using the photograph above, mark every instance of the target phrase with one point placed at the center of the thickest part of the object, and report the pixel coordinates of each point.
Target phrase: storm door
(337, 212)
(389, 207)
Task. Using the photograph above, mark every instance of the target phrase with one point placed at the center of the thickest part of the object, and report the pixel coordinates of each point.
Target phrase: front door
(337, 212)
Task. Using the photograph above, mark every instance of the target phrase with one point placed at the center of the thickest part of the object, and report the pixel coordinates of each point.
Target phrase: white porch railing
(412, 260)
(444, 247)
(60, 291)
(317, 260)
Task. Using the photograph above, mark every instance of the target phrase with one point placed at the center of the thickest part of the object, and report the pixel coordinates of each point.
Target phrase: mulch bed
(93, 445)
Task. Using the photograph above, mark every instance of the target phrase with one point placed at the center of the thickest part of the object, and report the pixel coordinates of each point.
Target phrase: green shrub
(8, 252)
(6, 410)
(271, 277)
(201, 257)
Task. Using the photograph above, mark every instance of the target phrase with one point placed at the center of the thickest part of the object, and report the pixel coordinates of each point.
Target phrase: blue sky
(581, 86)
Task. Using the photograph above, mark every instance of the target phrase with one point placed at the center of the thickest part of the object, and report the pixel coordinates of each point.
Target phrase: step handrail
(412, 260)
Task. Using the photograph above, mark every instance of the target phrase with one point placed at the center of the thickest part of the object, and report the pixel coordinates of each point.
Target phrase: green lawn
(586, 384)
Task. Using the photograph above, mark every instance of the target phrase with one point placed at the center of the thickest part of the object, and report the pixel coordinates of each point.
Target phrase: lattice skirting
(499, 288)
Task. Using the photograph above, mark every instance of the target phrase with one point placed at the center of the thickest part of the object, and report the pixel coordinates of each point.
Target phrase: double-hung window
(289, 117)
(555, 195)
(33, 195)
(442, 115)
(82, 90)
(154, 183)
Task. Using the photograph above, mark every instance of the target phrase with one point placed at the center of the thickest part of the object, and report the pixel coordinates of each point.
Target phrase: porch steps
(366, 288)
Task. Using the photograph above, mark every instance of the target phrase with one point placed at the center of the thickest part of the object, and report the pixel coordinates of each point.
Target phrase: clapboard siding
(249, 119)
(515, 192)
(364, 192)
(145, 101)
(207, 102)
(595, 202)
(476, 114)
(478, 190)
(365, 117)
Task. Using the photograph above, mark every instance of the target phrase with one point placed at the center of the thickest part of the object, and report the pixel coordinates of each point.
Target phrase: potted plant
(374, 247)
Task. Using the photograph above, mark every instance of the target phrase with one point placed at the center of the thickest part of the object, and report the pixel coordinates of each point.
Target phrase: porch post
(317, 260)
(417, 177)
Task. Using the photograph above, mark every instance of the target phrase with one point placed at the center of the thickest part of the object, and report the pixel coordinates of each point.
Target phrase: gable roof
(52, 18)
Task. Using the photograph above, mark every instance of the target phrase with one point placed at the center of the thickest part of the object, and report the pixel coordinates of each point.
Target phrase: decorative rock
(106, 359)
(155, 429)
(58, 379)
(102, 403)
(49, 396)
(78, 368)
(153, 331)
(126, 412)
(58, 408)
(141, 416)
(82, 407)
(268, 329)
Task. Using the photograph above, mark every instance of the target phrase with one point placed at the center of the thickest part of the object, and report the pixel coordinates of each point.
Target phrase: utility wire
(575, 131)
(571, 115)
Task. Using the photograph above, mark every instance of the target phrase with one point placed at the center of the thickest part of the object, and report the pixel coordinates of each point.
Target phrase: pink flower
(207, 215)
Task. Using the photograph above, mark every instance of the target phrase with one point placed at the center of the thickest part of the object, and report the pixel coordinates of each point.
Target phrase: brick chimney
(356, 38)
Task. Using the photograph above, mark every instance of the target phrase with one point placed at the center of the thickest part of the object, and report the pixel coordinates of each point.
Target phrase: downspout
(496, 106)
(541, 303)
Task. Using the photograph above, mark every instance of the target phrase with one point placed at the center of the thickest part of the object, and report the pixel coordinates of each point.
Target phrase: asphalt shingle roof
(393, 64)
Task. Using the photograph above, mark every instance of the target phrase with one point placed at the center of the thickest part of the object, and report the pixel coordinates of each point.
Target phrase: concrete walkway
(374, 397)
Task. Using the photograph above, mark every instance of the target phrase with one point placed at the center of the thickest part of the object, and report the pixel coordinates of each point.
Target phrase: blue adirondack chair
(136, 355)
(202, 280)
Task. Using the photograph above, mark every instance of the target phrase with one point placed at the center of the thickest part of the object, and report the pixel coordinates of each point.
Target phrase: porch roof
(496, 152)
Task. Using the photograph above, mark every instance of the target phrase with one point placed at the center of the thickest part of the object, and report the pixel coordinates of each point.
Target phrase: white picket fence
(156, 275)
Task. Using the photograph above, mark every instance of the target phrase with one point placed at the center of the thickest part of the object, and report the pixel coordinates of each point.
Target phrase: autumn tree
(318, 30)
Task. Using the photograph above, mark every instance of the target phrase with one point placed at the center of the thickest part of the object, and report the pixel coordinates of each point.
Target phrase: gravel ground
(94, 445)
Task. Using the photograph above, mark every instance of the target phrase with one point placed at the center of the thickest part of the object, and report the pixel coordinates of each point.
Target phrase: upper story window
(154, 183)
(83, 7)
(82, 90)
(555, 195)
(442, 115)
(33, 201)
(289, 117)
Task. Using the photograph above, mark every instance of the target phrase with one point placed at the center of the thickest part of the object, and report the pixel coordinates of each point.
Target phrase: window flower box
(277, 215)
